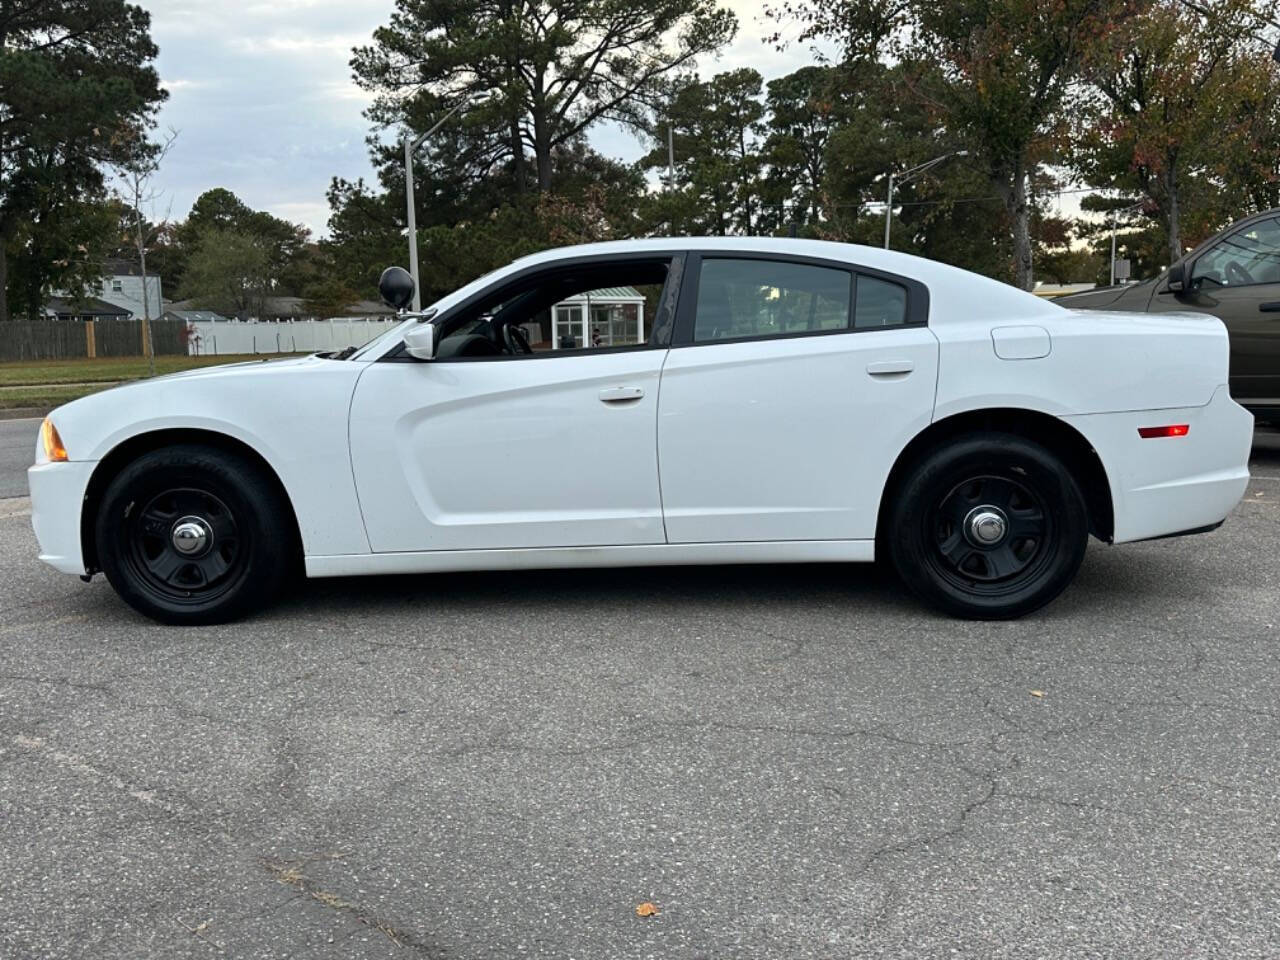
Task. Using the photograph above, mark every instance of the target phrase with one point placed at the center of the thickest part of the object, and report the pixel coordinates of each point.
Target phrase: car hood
(237, 369)
(237, 399)
(1098, 297)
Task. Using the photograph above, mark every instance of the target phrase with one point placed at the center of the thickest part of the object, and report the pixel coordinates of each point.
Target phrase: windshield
(372, 346)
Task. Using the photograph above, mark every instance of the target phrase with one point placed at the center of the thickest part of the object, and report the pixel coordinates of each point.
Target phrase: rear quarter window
(879, 303)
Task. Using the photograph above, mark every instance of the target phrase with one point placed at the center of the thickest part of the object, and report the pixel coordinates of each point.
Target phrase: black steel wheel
(185, 546)
(991, 526)
(190, 534)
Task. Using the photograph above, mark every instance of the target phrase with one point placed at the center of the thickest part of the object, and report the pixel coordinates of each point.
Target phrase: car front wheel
(190, 534)
(992, 526)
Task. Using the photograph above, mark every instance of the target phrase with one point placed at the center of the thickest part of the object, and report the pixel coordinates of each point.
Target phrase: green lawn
(47, 383)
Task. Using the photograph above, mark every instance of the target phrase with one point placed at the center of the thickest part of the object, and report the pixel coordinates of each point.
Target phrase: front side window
(746, 299)
(566, 309)
(1248, 256)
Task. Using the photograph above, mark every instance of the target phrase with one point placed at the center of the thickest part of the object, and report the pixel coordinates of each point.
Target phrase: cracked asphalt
(789, 762)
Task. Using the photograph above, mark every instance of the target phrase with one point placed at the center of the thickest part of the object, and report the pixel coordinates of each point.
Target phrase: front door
(543, 451)
(789, 391)
(499, 443)
(1238, 281)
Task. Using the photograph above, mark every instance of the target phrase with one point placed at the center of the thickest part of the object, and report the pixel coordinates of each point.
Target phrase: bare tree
(134, 178)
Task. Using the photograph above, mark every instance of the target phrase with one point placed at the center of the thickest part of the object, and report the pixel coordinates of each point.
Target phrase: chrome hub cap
(989, 531)
(985, 526)
(191, 536)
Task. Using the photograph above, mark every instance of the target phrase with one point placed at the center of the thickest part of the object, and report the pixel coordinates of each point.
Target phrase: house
(89, 308)
(194, 316)
(362, 309)
(122, 287)
(610, 317)
(297, 308)
(285, 308)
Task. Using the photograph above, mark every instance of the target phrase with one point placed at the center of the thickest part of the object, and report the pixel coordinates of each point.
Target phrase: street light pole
(671, 156)
(888, 213)
(413, 225)
(906, 176)
(410, 147)
(1112, 282)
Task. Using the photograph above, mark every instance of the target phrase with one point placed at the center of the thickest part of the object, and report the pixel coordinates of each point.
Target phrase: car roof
(965, 292)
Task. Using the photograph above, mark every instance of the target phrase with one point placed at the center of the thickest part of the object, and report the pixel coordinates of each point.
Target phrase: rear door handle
(887, 368)
(1272, 306)
(621, 394)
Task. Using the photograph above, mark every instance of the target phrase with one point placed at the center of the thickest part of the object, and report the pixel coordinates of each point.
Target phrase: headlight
(54, 451)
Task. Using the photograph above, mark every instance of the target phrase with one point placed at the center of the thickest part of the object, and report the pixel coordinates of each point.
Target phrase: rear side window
(746, 299)
(879, 303)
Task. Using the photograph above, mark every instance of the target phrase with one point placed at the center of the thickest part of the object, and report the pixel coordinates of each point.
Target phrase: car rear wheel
(190, 534)
(992, 526)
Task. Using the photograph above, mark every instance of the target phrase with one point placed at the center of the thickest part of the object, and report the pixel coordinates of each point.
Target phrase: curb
(24, 413)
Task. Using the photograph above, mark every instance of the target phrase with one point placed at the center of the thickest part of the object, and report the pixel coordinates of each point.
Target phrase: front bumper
(1171, 485)
(57, 499)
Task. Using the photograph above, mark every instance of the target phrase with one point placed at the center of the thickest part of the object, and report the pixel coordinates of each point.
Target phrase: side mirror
(396, 287)
(420, 341)
(1176, 279)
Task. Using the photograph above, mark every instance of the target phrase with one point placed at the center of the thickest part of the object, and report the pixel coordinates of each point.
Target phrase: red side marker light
(1173, 430)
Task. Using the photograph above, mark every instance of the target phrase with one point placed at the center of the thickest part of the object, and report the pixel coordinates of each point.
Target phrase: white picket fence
(282, 336)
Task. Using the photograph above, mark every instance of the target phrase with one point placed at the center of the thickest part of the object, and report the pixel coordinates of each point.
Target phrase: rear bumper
(1168, 485)
(57, 498)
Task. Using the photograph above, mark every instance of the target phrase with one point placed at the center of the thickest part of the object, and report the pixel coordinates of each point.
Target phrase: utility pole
(671, 156)
(906, 176)
(888, 213)
(1112, 281)
(410, 146)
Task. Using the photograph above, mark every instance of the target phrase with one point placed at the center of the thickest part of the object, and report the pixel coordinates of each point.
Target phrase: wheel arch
(1045, 429)
(129, 449)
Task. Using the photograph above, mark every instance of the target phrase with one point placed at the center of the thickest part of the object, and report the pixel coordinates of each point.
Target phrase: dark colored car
(1236, 277)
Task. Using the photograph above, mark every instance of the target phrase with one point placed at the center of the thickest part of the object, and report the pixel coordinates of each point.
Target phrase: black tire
(237, 524)
(989, 527)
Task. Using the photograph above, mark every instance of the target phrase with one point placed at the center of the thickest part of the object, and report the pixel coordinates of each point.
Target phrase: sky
(263, 101)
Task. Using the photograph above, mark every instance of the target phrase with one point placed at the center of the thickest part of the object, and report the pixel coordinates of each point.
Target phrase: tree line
(1161, 117)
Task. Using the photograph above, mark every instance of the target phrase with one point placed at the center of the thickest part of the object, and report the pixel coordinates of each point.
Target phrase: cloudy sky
(262, 96)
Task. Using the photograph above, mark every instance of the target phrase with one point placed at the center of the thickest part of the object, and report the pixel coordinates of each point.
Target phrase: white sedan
(665, 401)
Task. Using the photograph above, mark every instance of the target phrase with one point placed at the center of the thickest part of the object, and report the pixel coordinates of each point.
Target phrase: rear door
(791, 387)
(1238, 281)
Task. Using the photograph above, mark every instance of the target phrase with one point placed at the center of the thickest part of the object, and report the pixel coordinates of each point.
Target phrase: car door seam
(657, 442)
(351, 458)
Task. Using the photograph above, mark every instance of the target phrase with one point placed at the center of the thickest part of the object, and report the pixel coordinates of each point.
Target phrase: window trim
(659, 332)
(917, 306)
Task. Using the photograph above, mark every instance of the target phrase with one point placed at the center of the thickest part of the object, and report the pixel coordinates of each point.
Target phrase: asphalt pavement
(788, 762)
(17, 451)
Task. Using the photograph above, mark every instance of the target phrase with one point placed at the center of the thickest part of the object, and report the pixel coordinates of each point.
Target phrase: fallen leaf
(646, 909)
(1037, 693)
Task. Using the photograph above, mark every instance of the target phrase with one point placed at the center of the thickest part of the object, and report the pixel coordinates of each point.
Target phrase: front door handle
(888, 368)
(1272, 306)
(621, 394)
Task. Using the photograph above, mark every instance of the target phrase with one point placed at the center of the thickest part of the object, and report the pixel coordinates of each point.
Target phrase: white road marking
(38, 745)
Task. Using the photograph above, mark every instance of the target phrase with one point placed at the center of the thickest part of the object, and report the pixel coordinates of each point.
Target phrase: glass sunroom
(609, 317)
